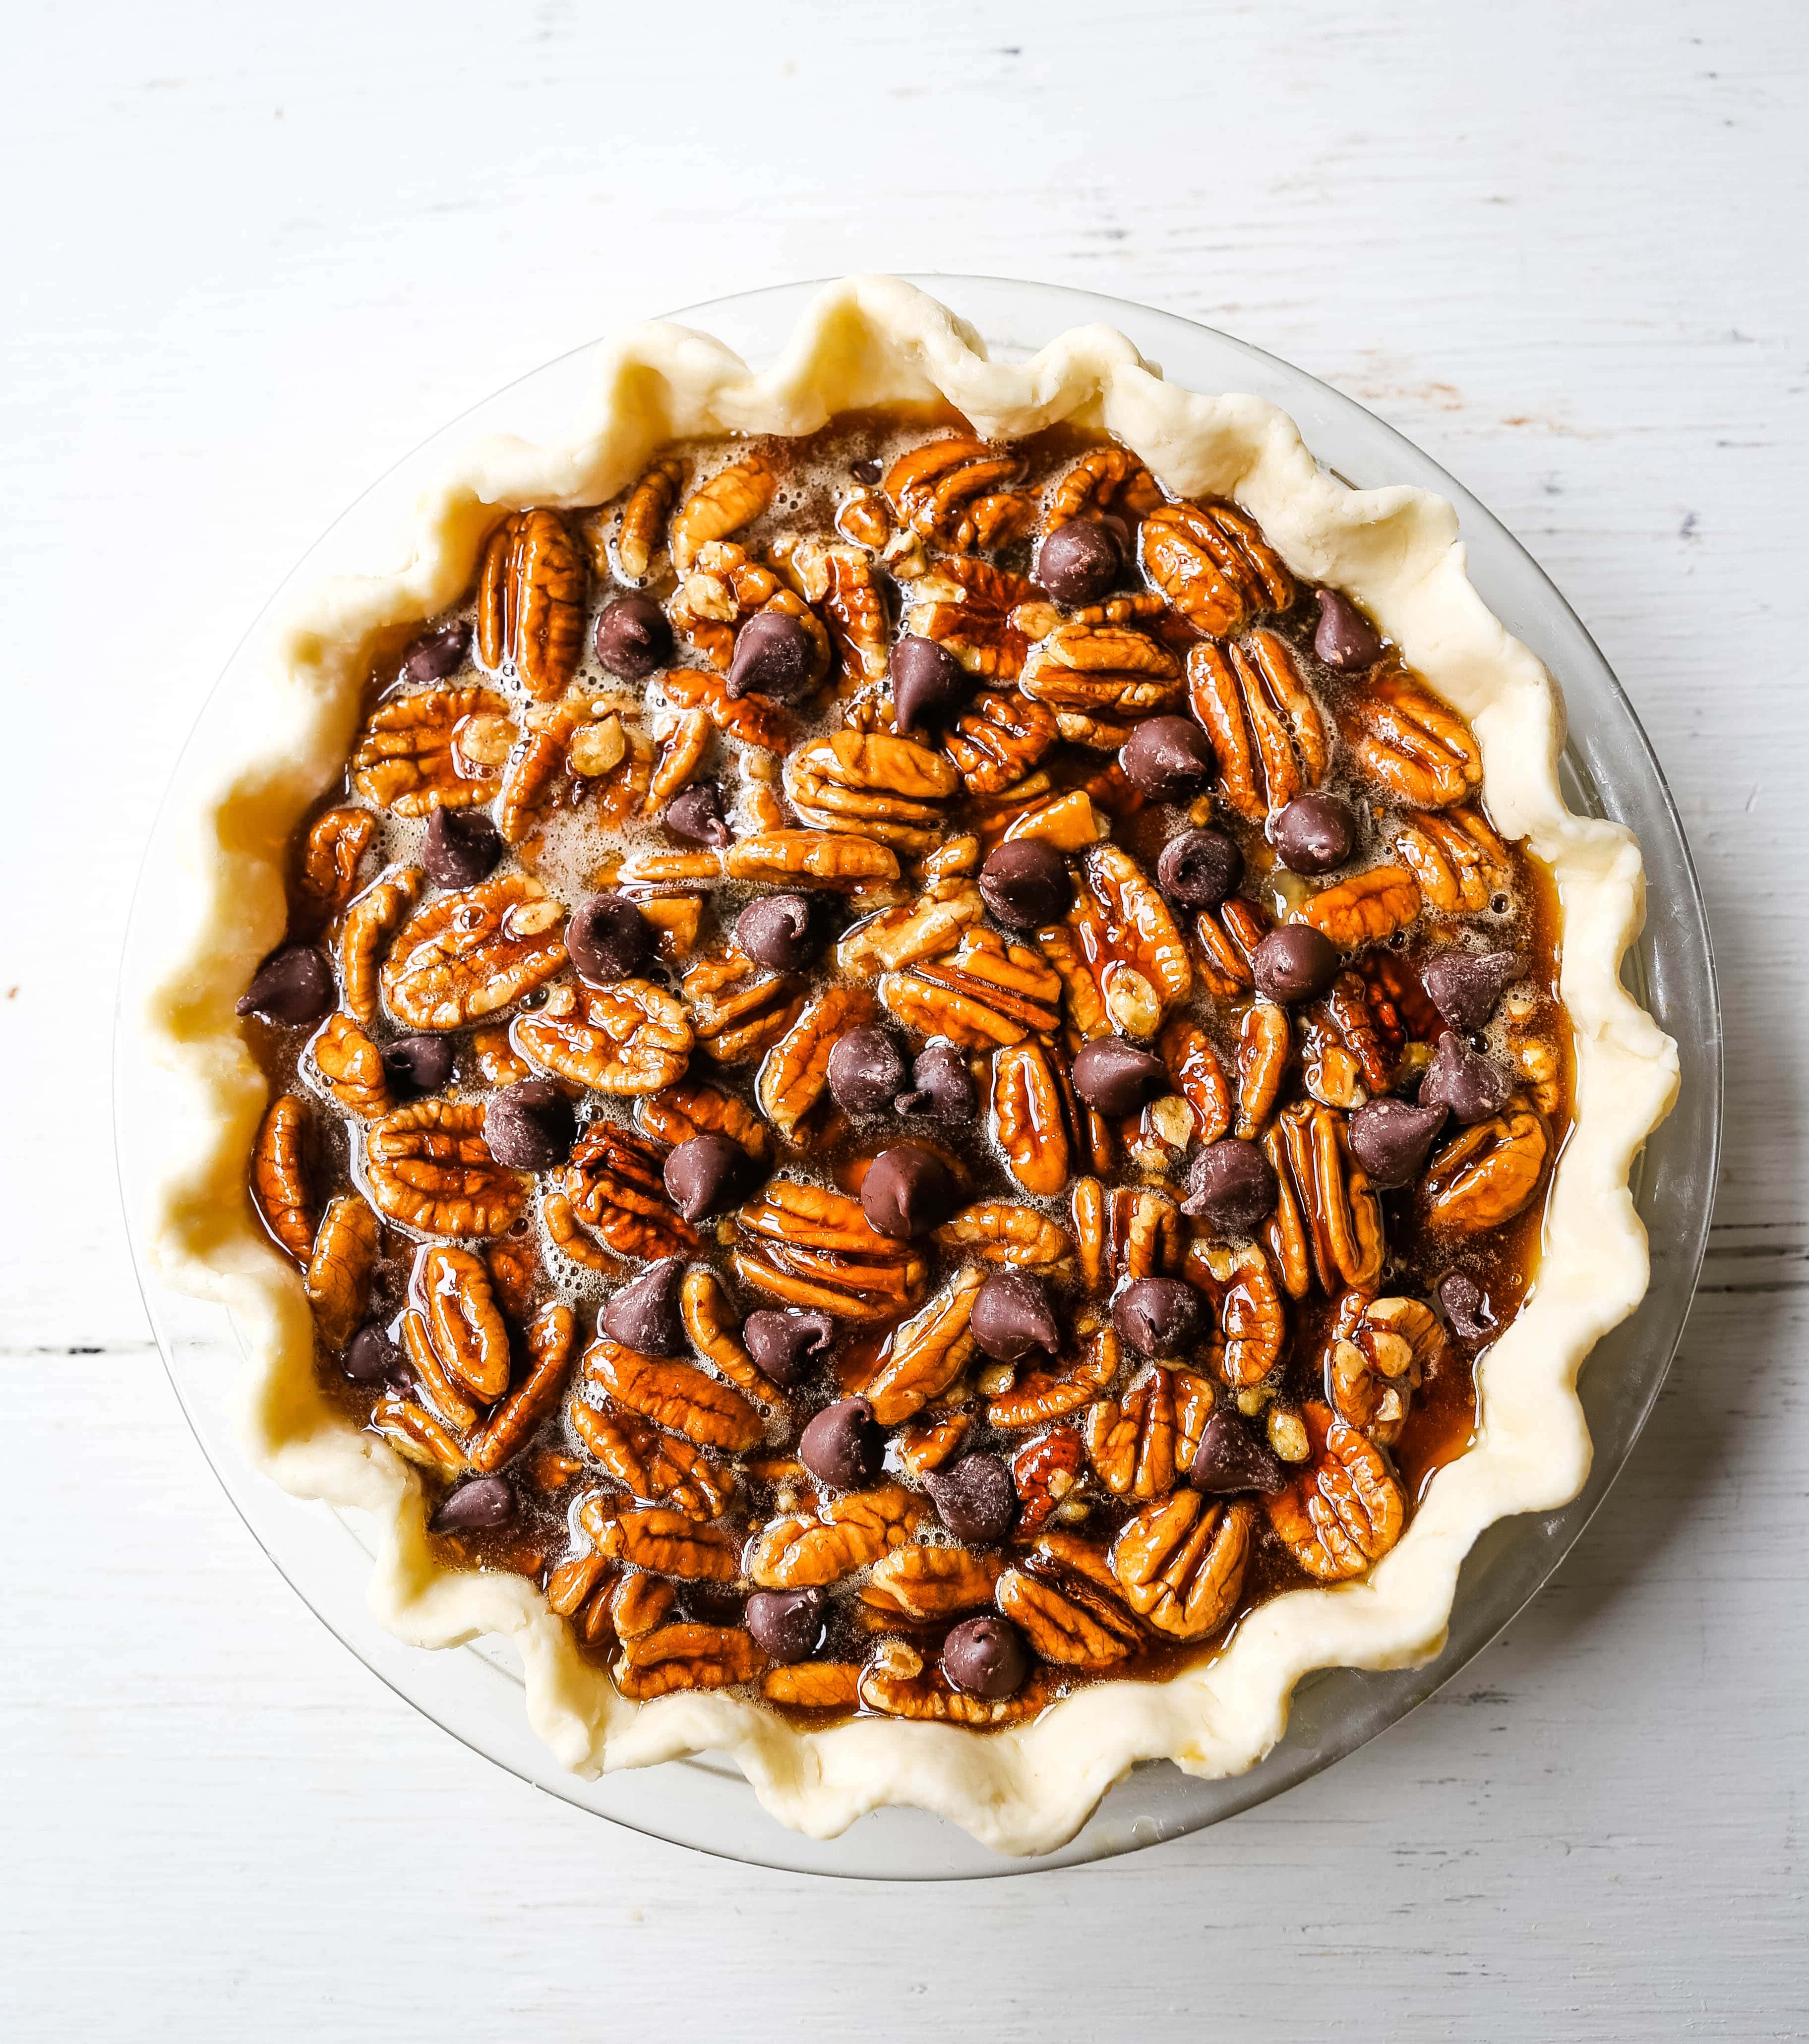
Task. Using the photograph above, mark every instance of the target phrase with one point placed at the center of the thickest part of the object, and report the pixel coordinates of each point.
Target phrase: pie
(910, 1061)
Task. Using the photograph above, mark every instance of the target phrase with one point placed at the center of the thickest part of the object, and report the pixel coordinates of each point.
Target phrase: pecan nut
(338, 1276)
(966, 607)
(1346, 1027)
(1490, 1172)
(755, 720)
(1405, 738)
(805, 1245)
(886, 789)
(642, 531)
(1459, 861)
(1367, 908)
(1102, 671)
(727, 587)
(1345, 1509)
(895, 1683)
(1066, 1619)
(925, 927)
(530, 602)
(1109, 482)
(452, 1289)
(692, 1108)
(1252, 1324)
(1139, 1445)
(686, 1657)
(331, 855)
(1046, 1473)
(440, 748)
(369, 922)
(924, 1584)
(428, 1167)
(738, 1012)
(629, 1038)
(729, 502)
(793, 1084)
(1123, 932)
(1030, 1117)
(928, 1352)
(514, 1423)
(1000, 1232)
(660, 1468)
(616, 1185)
(351, 1067)
(703, 1305)
(1042, 1395)
(1265, 1044)
(413, 1431)
(1227, 936)
(1213, 565)
(1199, 1078)
(1265, 728)
(807, 1551)
(467, 954)
(955, 491)
(814, 1685)
(1328, 1223)
(1380, 1351)
(986, 993)
(677, 1395)
(840, 581)
(999, 740)
(1180, 1562)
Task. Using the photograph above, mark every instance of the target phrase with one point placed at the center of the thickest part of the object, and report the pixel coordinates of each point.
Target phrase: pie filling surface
(911, 1075)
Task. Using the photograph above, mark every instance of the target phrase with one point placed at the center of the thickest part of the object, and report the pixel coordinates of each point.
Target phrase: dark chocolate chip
(1466, 1306)
(484, 1501)
(928, 681)
(1295, 963)
(1465, 987)
(776, 657)
(530, 1126)
(941, 1086)
(1117, 1077)
(461, 848)
(867, 1070)
(1229, 1458)
(1473, 1086)
(696, 816)
(1168, 759)
(707, 1175)
(907, 1191)
(293, 984)
(1313, 833)
(788, 1625)
(1079, 563)
(436, 655)
(608, 938)
(975, 1499)
(1345, 639)
(788, 1343)
(1026, 884)
(1233, 1185)
(1200, 868)
(634, 638)
(371, 1356)
(643, 1316)
(986, 1657)
(417, 1064)
(866, 472)
(781, 931)
(843, 1445)
(1013, 1318)
(1392, 1139)
(1159, 1315)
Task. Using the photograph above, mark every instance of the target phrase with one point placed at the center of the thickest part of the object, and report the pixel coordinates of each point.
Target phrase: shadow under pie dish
(634, 1497)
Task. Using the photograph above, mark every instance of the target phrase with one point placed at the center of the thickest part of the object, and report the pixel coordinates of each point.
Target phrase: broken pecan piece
(730, 500)
(530, 602)
(928, 1352)
(807, 1246)
(686, 1657)
(1419, 751)
(440, 748)
(1123, 931)
(954, 491)
(630, 1037)
(1213, 565)
(1345, 1509)
(841, 580)
(413, 1431)
(966, 607)
(1044, 1473)
(677, 1395)
(1199, 1078)
(738, 1009)
(279, 1176)
(924, 927)
(1378, 1352)
(1265, 1044)
(1265, 727)
(1487, 1173)
(467, 955)
(338, 1276)
(896, 1684)
(1180, 1562)
(755, 720)
(429, 1168)
(814, 1685)
(808, 1549)
(1459, 861)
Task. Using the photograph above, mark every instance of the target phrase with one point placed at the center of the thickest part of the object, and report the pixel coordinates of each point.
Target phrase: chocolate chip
(907, 1191)
(1466, 1306)
(417, 1064)
(696, 816)
(1313, 833)
(1117, 1077)
(485, 1501)
(1233, 1185)
(866, 472)
(986, 1657)
(462, 847)
(371, 1356)
(643, 1316)
(1229, 1458)
(781, 931)
(1473, 1086)
(1392, 1139)
(293, 984)
(1169, 758)
(941, 1086)
(707, 1175)
(788, 1625)
(1079, 563)
(843, 1446)
(530, 1126)
(867, 1071)
(1465, 988)
(1200, 868)
(1295, 963)
(1158, 1316)
(927, 682)
(1345, 639)
(1012, 1317)
(633, 637)
(608, 938)
(436, 655)
(788, 1343)
(774, 656)
(974, 1499)
(1026, 884)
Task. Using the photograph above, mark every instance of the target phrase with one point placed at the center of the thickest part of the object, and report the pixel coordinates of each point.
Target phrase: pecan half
(1265, 727)
(713, 1329)
(1409, 741)
(686, 1657)
(925, 927)
(1213, 565)
(954, 491)
(530, 602)
(1108, 480)
(999, 1232)
(413, 1431)
(814, 1685)
(1226, 938)
(467, 955)
(1345, 1509)
(1123, 931)
(334, 846)
(1199, 1078)
(1044, 1473)
(1459, 861)
(999, 740)
(1367, 908)
(1265, 1044)
(338, 1277)
(1102, 671)
(1066, 1619)
(1489, 1173)
(658, 1468)
(693, 1108)
(923, 1584)
(642, 531)
(839, 580)
(279, 1176)
(631, 1037)
(1141, 1443)
(886, 789)
(681, 753)
(896, 1684)
(928, 1352)
(807, 1246)
(986, 993)
(350, 1066)
(640, 1604)
(1346, 1020)
(453, 1288)
(808, 1550)
(1253, 1326)
(564, 1232)
(966, 607)
(1180, 1562)
(440, 748)
(738, 1009)
(1041, 1396)
(369, 922)
(514, 1423)
(809, 858)
(731, 500)
(428, 1167)
(677, 1395)
(793, 1084)
(1328, 1224)
(1029, 1122)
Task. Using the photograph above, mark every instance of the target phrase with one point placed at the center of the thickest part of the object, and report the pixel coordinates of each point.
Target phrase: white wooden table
(254, 256)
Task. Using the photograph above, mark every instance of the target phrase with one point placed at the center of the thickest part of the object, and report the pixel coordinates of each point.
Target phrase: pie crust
(864, 342)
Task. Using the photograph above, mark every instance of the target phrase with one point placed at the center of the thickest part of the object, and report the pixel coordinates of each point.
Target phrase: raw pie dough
(870, 341)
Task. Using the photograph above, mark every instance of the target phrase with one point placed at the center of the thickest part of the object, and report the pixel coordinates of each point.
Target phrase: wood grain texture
(255, 257)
